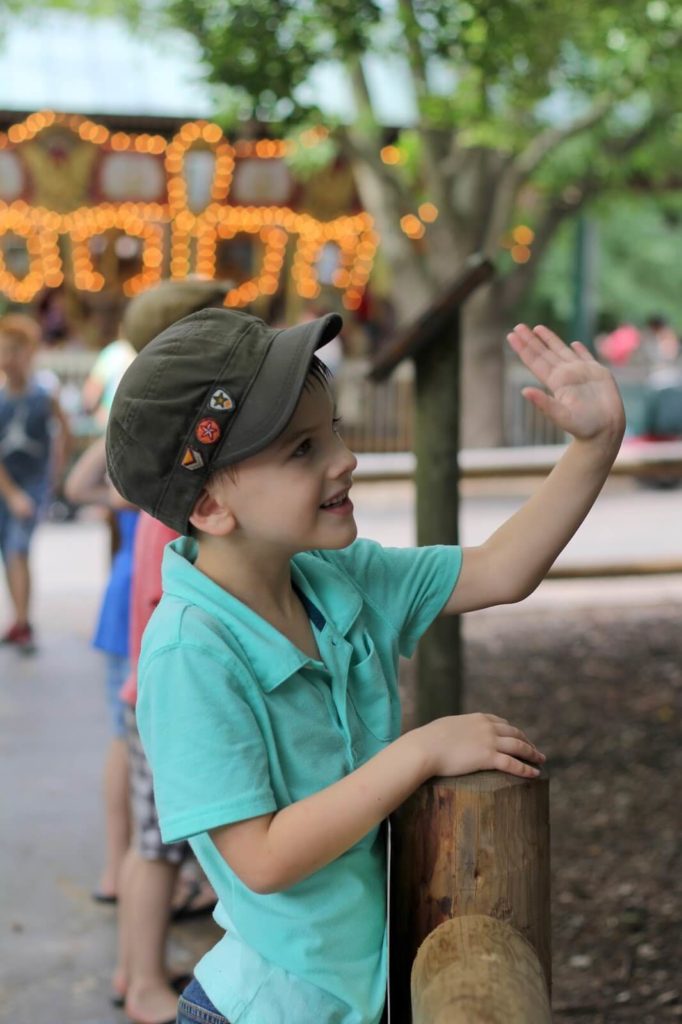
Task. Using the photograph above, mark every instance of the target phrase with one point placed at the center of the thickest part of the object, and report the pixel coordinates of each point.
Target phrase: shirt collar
(272, 656)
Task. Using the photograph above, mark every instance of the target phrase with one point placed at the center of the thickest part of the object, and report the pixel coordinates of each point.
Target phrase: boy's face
(277, 496)
(16, 355)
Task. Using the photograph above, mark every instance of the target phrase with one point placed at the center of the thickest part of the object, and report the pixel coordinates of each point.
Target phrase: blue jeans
(194, 1007)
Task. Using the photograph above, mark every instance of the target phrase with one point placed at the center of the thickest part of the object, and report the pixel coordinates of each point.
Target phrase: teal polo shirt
(237, 722)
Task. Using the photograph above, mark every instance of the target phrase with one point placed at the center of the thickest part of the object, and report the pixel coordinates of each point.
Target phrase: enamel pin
(192, 459)
(221, 401)
(207, 431)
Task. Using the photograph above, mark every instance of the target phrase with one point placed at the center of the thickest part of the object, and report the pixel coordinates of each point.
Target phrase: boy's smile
(293, 496)
(339, 505)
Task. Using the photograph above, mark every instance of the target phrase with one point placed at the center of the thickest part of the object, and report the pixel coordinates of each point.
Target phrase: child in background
(149, 877)
(268, 702)
(87, 484)
(34, 444)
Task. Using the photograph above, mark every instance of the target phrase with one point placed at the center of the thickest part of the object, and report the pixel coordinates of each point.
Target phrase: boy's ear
(211, 515)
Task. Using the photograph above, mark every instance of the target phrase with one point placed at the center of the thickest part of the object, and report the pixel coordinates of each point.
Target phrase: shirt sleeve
(207, 754)
(407, 586)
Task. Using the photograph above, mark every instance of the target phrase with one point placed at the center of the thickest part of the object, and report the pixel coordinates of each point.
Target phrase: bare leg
(19, 584)
(116, 815)
(125, 878)
(150, 998)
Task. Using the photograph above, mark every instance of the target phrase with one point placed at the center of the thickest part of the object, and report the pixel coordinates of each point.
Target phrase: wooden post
(477, 844)
(477, 970)
(437, 487)
(433, 342)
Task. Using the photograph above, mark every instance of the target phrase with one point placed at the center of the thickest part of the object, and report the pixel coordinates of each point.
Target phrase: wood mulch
(600, 691)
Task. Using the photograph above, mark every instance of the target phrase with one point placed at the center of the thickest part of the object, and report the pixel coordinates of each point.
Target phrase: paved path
(57, 945)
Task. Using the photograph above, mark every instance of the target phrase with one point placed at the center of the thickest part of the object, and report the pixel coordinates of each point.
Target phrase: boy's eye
(303, 448)
(336, 424)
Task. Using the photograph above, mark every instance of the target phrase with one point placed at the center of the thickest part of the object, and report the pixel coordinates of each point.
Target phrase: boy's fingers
(539, 360)
(554, 342)
(523, 340)
(519, 748)
(510, 732)
(582, 351)
(508, 764)
(545, 403)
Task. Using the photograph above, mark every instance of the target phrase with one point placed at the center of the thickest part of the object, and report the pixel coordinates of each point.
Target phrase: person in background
(100, 384)
(150, 878)
(34, 443)
(660, 342)
(87, 484)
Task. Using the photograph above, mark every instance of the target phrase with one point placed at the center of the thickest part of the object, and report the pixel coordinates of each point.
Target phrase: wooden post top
(484, 782)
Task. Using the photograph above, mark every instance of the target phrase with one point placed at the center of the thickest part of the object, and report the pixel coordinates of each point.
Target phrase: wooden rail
(474, 845)
(478, 970)
(654, 459)
(660, 459)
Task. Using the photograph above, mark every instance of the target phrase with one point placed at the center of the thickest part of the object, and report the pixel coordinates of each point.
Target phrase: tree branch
(573, 199)
(434, 179)
(543, 144)
(363, 143)
(513, 286)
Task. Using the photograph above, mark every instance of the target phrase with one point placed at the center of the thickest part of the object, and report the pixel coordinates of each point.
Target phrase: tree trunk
(437, 487)
(412, 289)
(485, 324)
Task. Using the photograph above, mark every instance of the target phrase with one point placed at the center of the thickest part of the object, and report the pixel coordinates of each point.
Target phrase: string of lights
(193, 234)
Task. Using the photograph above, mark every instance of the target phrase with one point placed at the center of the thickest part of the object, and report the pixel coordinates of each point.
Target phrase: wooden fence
(470, 902)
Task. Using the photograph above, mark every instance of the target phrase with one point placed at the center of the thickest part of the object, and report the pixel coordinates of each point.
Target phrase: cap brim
(277, 388)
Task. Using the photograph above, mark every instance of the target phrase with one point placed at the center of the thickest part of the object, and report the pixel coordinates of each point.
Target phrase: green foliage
(266, 48)
(637, 264)
(306, 160)
(482, 67)
(496, 75)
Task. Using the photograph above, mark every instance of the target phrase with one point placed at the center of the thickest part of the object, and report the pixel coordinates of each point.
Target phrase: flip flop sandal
(104, 897)
(186, 910)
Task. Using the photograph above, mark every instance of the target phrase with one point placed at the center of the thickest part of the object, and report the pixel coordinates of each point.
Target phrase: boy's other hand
(21, 504)
(584, 399)
(461, 744)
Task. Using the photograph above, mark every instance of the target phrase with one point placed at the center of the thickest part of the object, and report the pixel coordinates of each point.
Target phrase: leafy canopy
(495, 70)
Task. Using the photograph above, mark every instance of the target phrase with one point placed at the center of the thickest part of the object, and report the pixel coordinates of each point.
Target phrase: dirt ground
(600, 691)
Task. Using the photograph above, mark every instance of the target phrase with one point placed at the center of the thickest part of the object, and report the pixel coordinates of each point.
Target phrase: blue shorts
(117, 668)
(194, 1007)
(15, 533)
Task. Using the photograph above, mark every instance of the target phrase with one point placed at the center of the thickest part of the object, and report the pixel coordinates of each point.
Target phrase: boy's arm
(64, 441)
(274, 851)
(87, 482)
(584, 401)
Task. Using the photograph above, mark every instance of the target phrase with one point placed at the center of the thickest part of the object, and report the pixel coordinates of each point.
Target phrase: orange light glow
(523, 235)
(194, 234)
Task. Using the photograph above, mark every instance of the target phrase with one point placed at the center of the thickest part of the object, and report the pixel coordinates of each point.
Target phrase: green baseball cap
(212, 389)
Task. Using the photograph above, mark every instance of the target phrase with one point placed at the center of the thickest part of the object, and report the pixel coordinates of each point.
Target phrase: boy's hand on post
(460, 744)
(583, 399)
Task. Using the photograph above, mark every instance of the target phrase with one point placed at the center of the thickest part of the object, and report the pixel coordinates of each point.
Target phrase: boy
(268, 692)
(30, 461)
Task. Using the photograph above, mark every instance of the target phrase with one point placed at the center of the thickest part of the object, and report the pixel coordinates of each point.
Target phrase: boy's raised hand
(583, 399)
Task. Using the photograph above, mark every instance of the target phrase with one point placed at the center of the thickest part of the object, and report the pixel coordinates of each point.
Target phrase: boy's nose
(345, 462)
